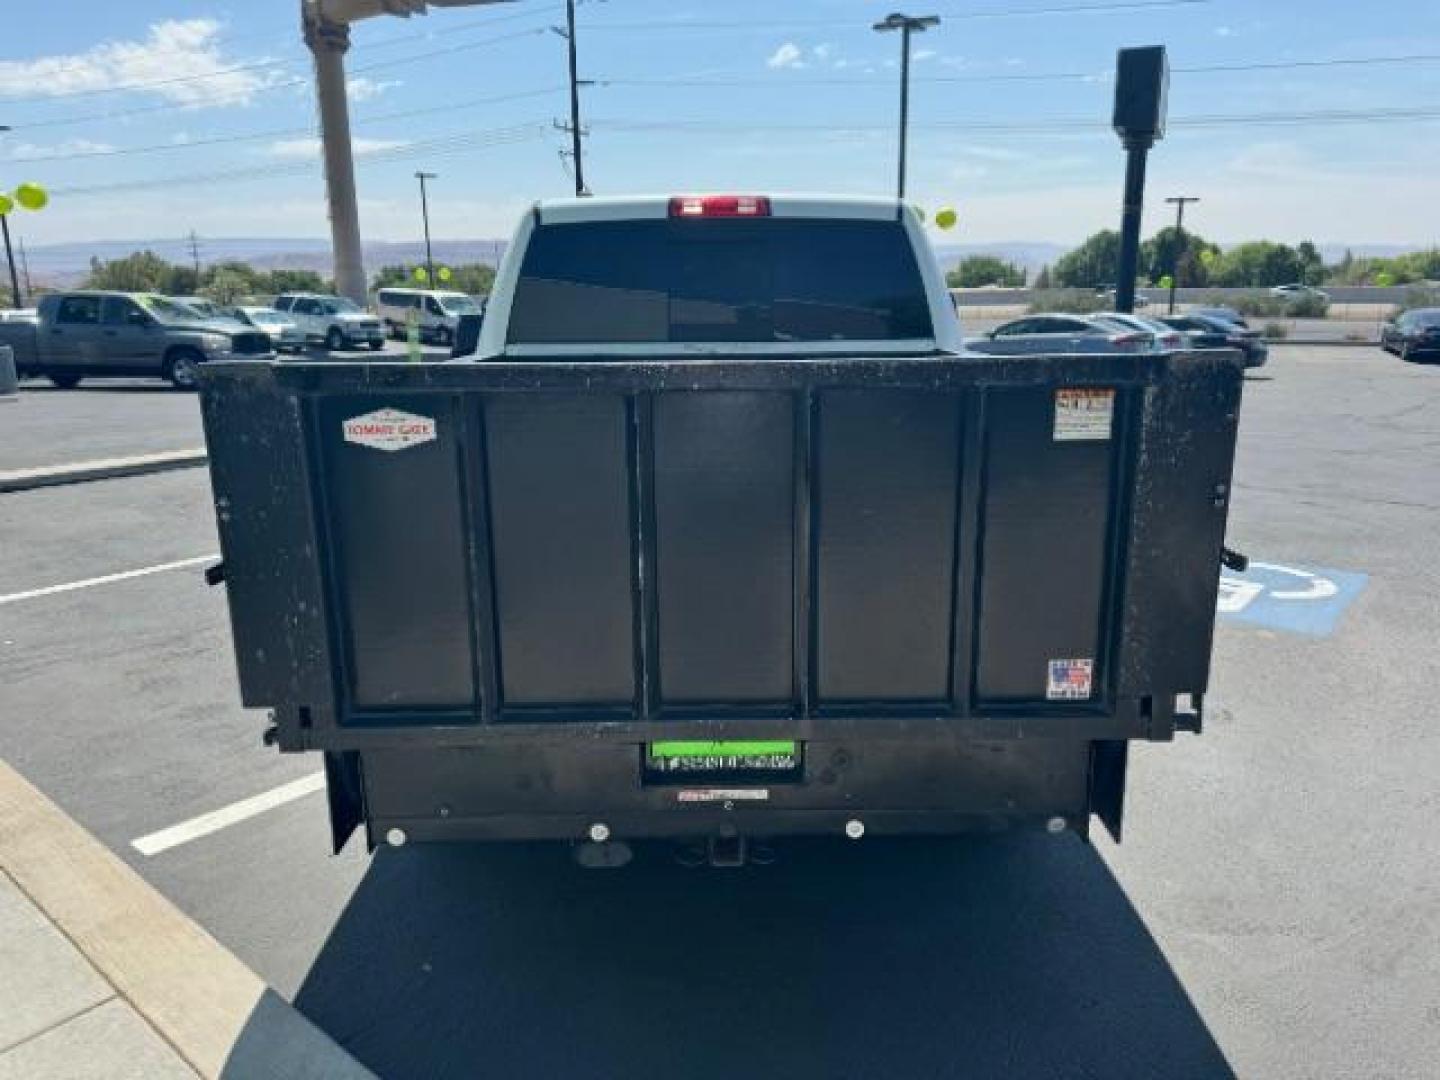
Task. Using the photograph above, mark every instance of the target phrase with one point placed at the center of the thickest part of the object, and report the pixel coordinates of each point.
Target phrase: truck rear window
(757, 280)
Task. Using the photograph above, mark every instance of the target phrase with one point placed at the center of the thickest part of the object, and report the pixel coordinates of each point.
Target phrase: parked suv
(335, 321)
(437, 312)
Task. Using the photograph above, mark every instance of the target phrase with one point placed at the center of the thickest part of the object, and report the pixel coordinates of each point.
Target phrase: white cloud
(39, 152)
(309, 147)
(822, 52)
(176, 49)
(362, 89)
(924, 54)
(786, 56)
(1223, 31)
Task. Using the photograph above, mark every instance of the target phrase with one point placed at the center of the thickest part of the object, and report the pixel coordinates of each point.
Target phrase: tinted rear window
(769, 280)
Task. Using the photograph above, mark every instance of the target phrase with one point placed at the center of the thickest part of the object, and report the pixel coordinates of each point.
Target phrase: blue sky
(1009, 109)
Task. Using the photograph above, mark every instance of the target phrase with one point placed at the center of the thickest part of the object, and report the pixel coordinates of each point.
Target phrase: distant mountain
(67, 264)
(1031, 255)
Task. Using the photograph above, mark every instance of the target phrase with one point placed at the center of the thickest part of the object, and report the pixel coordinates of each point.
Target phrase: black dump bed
(463, 554)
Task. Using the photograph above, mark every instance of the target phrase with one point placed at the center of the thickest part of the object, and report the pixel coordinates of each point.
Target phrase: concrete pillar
(328, 42)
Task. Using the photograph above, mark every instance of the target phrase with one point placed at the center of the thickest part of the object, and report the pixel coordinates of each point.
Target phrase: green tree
(142, 271)
(1042, 279)
(1256, 264)
(231, 283)
(1312, 266)
(1172, 252)
(474, 278)
(1095, 262)
(283, 280)
(977, 271)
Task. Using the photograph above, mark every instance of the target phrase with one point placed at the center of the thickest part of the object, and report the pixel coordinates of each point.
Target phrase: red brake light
(693, 206)
(1134, 337)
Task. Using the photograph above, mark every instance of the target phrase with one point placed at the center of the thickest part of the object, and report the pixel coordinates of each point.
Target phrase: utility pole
(25, 268)
(9, 255)
(906, 24)
(575, 83)
(195, 255)
(1179, 201)
(425, 217)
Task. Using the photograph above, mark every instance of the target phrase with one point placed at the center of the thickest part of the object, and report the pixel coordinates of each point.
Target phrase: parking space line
(106, 579)
(236, 812)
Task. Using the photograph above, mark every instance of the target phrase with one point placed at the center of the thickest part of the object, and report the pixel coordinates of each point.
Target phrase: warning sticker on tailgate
(1069, 680)
(1083, 415)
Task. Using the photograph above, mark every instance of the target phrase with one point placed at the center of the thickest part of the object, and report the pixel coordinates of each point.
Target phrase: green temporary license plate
(743, 755)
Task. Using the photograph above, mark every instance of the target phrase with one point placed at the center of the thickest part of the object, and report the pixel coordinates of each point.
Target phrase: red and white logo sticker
(389, 429)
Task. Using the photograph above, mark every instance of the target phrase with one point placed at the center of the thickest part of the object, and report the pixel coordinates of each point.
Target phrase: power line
(443, 145)
(1108, 7)
(1050, 124)
(1033, 76)
(280, 133)
(269, 62)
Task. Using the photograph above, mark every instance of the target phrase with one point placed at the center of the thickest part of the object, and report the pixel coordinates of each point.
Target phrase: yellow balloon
(31, 196)
(6, 204)
(420, 274)
(443, 273)
(946, 218)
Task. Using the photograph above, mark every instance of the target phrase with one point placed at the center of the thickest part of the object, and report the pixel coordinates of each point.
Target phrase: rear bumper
(558, 792)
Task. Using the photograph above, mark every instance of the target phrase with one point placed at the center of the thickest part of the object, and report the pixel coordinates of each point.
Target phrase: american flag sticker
(1069, 680)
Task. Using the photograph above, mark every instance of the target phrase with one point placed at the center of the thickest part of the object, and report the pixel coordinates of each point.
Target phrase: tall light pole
(425, 217)
(1179, 201)
(907, 25)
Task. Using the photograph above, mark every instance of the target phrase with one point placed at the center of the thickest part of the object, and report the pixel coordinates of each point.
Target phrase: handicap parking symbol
(1302, 600)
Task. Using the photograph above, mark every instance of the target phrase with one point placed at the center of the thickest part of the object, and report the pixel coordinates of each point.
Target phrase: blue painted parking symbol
(1300, 599)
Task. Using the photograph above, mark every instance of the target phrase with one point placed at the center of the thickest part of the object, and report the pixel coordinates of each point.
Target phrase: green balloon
(1166, 281)
(443, 273)
(420, 274)
(31, 196)
(946, 218)
(6, 204)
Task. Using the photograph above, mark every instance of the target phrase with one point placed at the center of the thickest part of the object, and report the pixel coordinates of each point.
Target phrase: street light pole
(425, 217)
(906, 24)
(1179, 201)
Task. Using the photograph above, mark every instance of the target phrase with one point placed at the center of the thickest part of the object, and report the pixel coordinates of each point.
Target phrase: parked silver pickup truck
(82, 335)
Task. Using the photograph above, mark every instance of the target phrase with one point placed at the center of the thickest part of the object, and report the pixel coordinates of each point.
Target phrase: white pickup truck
(722, 537)
(777, 275)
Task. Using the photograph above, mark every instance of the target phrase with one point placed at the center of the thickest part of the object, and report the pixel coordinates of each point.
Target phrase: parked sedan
(1059, 333)
(1161, 336)
(1224, 314)
(1206, 332)
(1413, 335)
(284, 331)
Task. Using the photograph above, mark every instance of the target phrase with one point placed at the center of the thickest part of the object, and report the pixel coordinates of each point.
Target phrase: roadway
(1274, 910)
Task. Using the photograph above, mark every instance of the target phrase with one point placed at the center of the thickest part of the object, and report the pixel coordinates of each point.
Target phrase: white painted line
(124, 575)
(226, 816)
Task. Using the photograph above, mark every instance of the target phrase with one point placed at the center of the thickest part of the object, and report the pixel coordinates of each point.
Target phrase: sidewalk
(61, 1017)
(101, 976)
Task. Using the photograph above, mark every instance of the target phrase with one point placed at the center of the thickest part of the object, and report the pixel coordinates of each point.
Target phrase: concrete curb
(213, 1010)
(1313, 344)
(106, 469)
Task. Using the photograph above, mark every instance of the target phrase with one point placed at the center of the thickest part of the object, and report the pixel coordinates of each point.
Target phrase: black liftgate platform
(954, 587)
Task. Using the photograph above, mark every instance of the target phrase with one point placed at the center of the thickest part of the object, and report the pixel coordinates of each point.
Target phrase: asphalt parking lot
(1274, 910)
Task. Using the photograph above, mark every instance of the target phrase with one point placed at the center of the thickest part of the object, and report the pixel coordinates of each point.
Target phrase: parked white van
(437, 311)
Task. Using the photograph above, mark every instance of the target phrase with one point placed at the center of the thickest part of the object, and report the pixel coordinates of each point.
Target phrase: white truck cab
(782, 275)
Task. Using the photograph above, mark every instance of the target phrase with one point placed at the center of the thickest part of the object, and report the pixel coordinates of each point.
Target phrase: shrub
(1421, 297)
(1074, 301)
(1276, 331)
(1265, 306)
